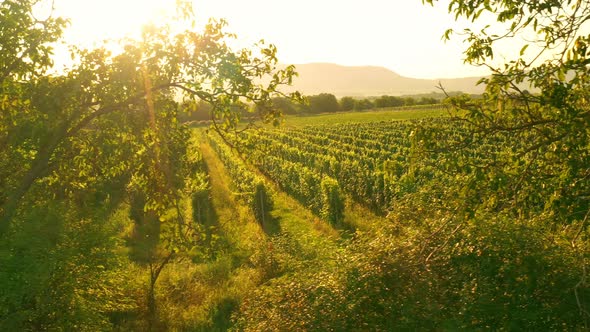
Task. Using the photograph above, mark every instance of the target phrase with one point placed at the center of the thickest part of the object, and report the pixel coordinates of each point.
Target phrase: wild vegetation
(116, 215)
(96, 172)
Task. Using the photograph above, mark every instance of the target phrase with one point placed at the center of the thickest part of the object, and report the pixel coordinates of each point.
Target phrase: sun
(93, 21)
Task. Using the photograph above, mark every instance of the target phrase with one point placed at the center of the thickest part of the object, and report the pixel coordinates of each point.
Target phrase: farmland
(173, 180)
(365, 116)
(386, 193)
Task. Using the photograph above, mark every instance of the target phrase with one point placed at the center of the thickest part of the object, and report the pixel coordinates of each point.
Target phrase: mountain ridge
(365, 81)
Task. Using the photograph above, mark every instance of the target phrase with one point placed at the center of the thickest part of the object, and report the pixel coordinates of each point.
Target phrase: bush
(201, 206)
(332, 201)
(261, 203)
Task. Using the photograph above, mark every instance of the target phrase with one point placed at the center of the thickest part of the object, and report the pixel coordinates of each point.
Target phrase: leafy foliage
(77, 145)
(541, 98)
(332, 201)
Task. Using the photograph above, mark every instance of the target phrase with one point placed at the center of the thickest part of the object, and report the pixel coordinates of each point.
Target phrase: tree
(286, 105)
(427, 101)
(26, 41)
(538, 102)
(362, 104)
(199, 112)
(388, 101)
(541, 96)
(25, 56)
(347, 103)
(144, 79)
(409, 101)
(323, 103)
(78, 146)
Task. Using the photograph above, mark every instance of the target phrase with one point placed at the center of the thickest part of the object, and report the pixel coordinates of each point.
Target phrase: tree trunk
(38, 169)
(154, 274)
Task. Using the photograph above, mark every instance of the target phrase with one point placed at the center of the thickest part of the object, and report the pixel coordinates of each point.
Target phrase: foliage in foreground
(492, 272)
(96, 171)
(94, 160)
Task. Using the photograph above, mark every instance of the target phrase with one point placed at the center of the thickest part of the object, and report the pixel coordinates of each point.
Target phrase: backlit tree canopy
(541, 96)
(74, 124)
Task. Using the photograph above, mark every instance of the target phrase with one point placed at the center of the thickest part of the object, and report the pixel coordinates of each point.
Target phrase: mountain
(315, 78)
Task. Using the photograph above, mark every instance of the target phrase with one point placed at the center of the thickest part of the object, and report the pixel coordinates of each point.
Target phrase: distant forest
(329, 103)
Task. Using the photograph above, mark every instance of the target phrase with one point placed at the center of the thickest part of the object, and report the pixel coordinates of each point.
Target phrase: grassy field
(365, 116)
(374, 115)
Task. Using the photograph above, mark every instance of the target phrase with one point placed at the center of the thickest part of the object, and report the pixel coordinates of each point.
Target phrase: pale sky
(403, 35)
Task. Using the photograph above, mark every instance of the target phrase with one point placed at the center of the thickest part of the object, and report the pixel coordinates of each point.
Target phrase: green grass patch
(387, 114)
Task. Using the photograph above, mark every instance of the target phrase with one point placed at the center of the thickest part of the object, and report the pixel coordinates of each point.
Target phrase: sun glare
(402, 36)
(95, 21)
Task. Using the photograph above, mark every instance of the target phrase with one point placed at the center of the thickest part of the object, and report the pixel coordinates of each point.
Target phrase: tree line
(320, 103)
(328, 103)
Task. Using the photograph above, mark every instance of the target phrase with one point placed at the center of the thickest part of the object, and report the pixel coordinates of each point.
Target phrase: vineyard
(423, 183)
(373, 163)
(176, 178)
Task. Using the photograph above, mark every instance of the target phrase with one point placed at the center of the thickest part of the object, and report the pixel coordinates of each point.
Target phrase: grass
(234, 219)
(315, 238)
(202, 296)
(382, 114)
(360, 217)
(389, 114)
(290, 219)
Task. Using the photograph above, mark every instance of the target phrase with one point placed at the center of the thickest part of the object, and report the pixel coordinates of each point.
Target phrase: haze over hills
(315, 78)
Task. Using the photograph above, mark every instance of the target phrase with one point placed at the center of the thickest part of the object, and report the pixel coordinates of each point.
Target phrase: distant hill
(342, 81)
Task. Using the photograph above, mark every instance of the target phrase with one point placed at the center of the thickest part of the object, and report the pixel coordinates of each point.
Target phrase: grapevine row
(373, 171)
(251, 188)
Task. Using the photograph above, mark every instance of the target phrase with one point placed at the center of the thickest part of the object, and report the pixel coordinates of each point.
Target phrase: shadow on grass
(221, 314)
(271, 225)
(344, 227)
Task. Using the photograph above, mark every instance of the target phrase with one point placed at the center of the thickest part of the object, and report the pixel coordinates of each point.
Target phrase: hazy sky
(403, 35)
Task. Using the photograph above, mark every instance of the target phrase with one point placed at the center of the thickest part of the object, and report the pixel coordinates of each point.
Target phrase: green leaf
(561, 74)
(523, 49)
